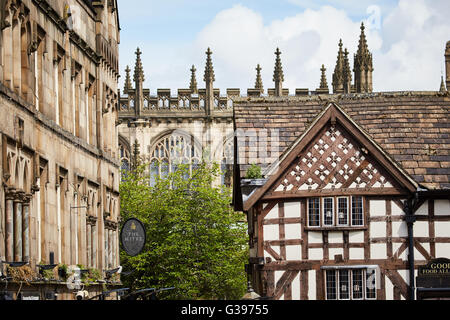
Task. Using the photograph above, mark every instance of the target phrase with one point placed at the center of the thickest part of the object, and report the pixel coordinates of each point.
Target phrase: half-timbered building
(356, 200)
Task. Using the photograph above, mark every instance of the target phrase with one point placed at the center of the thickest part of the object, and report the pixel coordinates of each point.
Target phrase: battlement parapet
(187, 101)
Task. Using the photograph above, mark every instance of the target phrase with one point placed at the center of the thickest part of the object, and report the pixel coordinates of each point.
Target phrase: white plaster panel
(399, 229)
(315, 254)
(273, 214)
(315, 237)
(335, 237)
(271, 232)
(423, 210)
(356, 236)
(294, 253)
(377, 208)
(389, 287)
(377, 229)
(442, 228)
(396, 210)
(418, 255)
(296, 288)
(356, 253)
(378, 251)
(292, 210)
(404, 273)
(443, 250)
(421, 229)
(442, 207)
(335, 251)
(312, 285)
(293, 231)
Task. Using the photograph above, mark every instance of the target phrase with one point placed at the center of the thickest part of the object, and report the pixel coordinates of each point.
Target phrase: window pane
(357, 282)
(154, 172)
(328, 212)
(371, 288)
(343, 211)
(125, 165)
(344, 285)
(223, 169)
(314, 212)
(331, 285)
(164, 169)
(357, 211)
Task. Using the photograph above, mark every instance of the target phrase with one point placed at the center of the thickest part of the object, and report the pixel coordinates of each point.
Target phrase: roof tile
(412, 127)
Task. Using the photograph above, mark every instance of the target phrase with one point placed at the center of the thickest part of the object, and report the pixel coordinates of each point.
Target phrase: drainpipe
(410, 219)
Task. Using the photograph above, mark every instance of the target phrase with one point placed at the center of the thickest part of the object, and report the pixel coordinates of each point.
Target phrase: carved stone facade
(59, 167)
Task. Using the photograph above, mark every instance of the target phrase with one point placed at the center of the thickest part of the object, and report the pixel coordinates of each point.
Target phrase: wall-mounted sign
(133, 237)
(436, 274)
(436, 267)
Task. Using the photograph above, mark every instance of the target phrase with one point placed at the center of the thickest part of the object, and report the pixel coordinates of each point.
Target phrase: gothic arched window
(171, 151)
(227, 162)
(125, 159)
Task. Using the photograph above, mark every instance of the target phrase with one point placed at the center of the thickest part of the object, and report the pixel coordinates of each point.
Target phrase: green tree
(195, 241)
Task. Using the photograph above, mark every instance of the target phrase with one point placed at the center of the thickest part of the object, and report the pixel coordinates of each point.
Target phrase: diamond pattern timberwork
(333, 161)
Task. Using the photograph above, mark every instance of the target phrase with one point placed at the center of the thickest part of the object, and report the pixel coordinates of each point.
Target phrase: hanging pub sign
(133, 236)
(436, 274)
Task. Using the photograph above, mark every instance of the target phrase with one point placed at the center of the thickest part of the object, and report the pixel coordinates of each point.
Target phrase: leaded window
(172, 151)
(314, 212)
(344, 285)
(331, 285)
(357, 211)
(357, 282)
(328, 211)
(351, 284)
(342, 211)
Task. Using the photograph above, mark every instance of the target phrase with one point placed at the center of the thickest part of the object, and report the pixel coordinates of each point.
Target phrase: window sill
(337, 228)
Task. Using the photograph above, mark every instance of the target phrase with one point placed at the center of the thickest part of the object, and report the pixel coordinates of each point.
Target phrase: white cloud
(307, 40)
(407, 44)
(412, 56)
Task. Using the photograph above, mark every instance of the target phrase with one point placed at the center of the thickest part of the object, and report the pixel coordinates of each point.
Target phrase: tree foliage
(195, 241)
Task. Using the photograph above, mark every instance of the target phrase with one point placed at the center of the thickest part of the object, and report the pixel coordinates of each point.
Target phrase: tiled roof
(412, 127)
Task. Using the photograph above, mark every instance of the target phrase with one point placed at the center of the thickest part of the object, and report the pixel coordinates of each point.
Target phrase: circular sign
(133, 237)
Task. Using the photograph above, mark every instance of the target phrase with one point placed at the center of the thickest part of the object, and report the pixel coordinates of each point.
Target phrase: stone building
(355, 199)
(168, 130)
(194, 123)
(59, 200)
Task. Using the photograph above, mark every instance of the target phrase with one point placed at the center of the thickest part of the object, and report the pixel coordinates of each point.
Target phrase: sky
(406, 37)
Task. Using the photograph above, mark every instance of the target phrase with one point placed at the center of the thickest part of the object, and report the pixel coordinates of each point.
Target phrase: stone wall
(59, 164)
